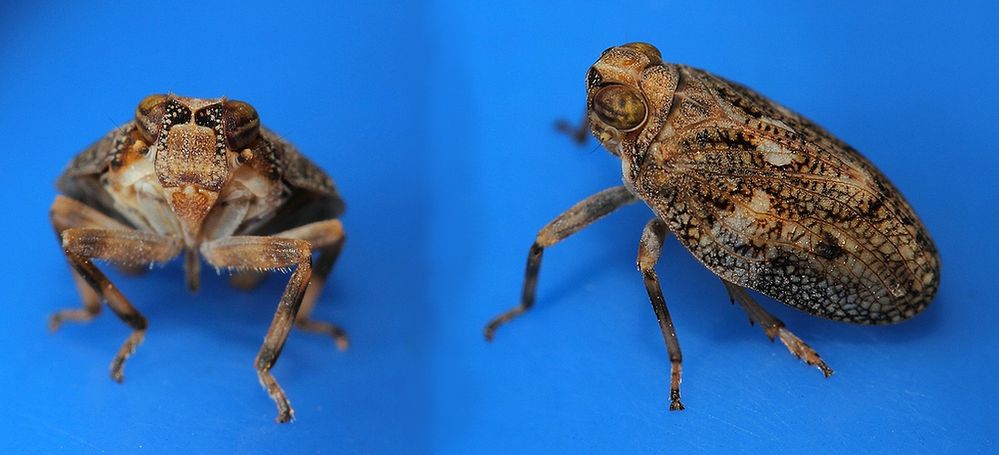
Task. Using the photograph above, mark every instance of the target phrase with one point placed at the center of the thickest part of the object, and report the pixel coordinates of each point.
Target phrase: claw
(674, 388)
(804, 352)
(127, 348)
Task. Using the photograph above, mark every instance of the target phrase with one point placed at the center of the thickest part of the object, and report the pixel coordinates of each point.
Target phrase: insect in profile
(760, 195)
(202, 178)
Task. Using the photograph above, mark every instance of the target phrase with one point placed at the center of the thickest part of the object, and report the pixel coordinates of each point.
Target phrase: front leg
(571, 221)
(69, 213)
(649, 250)
(269, 253)
(129, 248)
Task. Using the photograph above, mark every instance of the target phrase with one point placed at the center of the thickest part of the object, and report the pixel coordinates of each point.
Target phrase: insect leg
(269, 253)
(649, 250)
(69, 213)
(774, 328)
(130, 247)
(91, 305)
(571, 221)
(578, 134)
(328, 238)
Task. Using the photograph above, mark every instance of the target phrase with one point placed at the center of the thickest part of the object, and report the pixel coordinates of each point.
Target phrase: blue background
(435, 120)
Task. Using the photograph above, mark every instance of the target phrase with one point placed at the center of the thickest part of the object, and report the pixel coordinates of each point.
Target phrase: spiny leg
(571, 221)
(649, 250)
(328, 238)
(774, 328)
(81, 245)
(270, 253)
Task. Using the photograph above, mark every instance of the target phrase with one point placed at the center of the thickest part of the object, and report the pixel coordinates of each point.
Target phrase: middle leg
(649, 250)
(82, 245)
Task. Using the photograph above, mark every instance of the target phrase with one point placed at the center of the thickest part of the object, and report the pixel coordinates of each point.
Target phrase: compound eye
(620, 107)
(149, 116)
(242, 124)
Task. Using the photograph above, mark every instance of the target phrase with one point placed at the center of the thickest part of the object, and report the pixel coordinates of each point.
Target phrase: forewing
(81, 178)
(313, 197)
(769, 200)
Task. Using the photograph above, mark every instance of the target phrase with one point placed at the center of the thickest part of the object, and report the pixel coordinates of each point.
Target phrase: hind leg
(774, 328)
(327, 237)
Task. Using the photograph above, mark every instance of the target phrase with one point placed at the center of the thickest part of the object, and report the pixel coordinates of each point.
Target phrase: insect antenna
(113, 123)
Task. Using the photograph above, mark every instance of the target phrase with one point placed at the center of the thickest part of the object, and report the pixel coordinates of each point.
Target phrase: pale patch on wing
(739, 219)
(776, 154)
(746, 215)
(760, 203)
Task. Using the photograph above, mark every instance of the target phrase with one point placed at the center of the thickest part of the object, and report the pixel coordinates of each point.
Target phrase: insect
(202, 178)
(760, 195)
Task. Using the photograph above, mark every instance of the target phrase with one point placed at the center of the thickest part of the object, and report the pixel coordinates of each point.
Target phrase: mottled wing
(81, 179)
(769, 200)
(313, 197)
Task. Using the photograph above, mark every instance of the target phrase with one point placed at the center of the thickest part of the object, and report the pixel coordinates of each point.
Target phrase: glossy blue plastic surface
(435, 120)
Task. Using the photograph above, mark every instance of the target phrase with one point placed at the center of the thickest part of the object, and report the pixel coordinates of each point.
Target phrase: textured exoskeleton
(202, 178)
(760, 195)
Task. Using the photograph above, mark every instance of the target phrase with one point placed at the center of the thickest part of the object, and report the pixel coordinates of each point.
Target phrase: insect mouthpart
(191, 205)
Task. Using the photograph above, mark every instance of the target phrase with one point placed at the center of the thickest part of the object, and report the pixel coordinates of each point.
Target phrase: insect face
(196, 145)
(204, 179)
(627, 89)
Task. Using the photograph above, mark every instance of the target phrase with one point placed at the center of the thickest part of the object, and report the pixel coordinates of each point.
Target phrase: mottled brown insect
(760, 195)
(199, 177)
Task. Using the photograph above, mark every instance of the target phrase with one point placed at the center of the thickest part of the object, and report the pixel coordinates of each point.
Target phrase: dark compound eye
(242, 124)
(619, 107)
(149, 116)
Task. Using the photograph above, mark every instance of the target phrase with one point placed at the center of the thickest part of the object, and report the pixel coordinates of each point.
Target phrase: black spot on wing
(828, 248)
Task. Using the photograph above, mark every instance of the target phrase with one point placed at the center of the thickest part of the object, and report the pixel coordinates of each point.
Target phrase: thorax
(248, 197)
